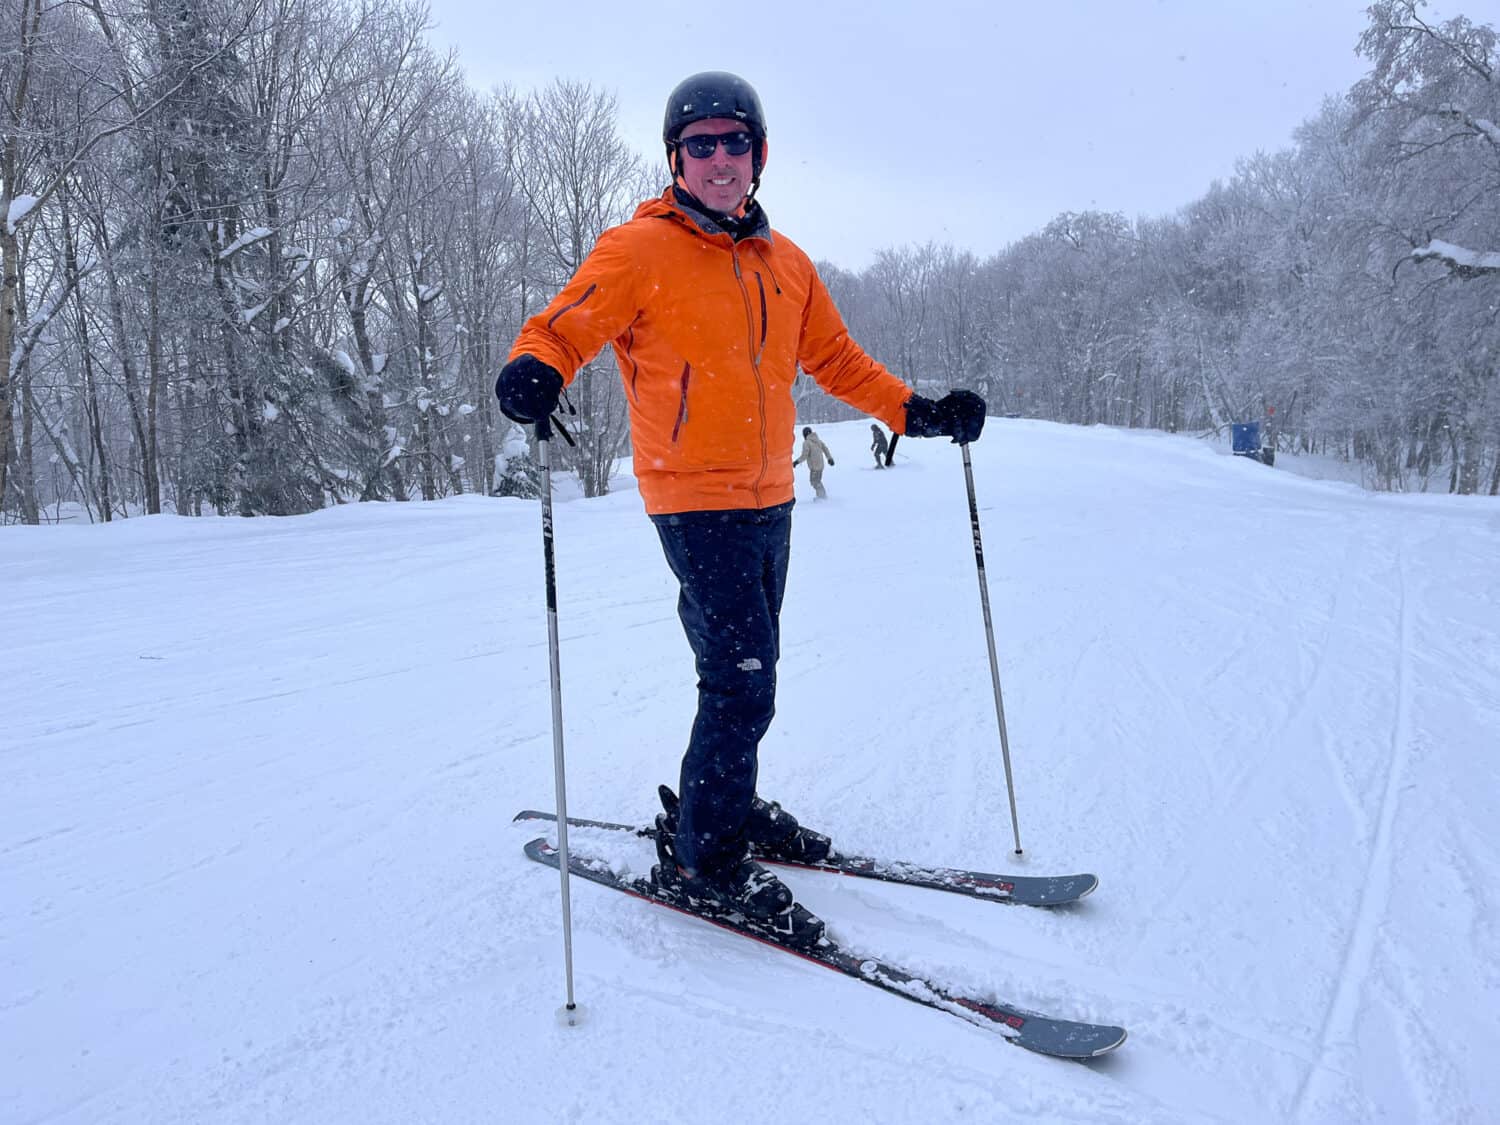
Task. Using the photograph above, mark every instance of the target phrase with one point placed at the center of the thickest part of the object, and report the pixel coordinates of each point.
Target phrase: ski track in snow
(258, 864)
(1339, 619)
(1375, 887)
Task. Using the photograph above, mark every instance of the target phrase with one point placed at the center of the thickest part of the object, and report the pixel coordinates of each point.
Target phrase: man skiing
(879, 445)
(814, 452)
(711, 313)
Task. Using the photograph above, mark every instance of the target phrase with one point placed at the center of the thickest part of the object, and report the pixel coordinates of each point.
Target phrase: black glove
(958, 414)
(830, 462)
(527, 389)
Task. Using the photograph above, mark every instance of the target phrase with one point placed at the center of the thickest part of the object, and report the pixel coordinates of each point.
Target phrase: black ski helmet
(715, 93)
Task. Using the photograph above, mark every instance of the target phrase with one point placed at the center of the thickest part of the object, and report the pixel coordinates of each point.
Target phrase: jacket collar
(678, 204)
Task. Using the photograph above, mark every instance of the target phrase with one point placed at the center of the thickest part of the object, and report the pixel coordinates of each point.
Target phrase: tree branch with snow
(1461, 262)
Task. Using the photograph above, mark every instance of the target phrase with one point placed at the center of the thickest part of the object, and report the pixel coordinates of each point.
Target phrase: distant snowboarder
(814, 452)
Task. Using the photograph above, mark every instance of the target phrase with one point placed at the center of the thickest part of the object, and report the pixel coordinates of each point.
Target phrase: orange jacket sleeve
(593, 308)
(842, 368)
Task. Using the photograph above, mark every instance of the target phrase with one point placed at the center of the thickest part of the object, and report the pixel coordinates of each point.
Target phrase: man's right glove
(527, 389)
(958, 414)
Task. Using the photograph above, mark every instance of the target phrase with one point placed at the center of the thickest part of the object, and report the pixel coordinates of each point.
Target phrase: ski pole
(989, 636)
(570, 1014)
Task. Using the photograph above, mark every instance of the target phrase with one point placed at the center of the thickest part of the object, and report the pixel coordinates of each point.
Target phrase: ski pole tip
(571, 1015)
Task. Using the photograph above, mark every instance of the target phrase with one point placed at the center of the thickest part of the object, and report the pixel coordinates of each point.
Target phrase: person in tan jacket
(814, 452)
(711, 313)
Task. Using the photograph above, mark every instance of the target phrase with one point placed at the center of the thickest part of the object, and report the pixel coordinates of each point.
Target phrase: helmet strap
(757, 163)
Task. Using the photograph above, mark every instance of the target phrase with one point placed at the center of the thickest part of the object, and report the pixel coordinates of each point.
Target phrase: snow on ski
(1019, 890)
(1044, 1035)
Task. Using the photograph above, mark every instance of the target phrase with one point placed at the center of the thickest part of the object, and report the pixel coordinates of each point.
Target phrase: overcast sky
(972, 123)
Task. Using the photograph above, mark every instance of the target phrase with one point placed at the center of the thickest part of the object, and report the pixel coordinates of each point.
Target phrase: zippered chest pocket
(716, 419)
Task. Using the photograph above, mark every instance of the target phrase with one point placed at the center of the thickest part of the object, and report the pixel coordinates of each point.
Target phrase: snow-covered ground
(256, 862)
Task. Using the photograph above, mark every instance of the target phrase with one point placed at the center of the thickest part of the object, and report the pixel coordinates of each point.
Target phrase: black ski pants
(732, 570)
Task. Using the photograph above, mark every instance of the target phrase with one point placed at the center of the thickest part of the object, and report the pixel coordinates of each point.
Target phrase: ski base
(1042, 1034)
(1019, 890)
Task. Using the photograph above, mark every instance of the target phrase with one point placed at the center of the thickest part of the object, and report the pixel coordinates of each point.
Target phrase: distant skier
(879, 446)
(814, 452)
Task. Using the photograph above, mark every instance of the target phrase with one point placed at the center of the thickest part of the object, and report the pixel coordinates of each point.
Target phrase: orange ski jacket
(709, 334)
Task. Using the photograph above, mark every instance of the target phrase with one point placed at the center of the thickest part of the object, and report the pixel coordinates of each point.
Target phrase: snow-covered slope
(256, 861)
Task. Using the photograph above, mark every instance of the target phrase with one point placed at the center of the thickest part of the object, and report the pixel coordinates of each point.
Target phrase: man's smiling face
(719, 181)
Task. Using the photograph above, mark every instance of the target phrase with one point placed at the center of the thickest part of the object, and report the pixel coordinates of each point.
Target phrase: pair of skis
(1035, 1032)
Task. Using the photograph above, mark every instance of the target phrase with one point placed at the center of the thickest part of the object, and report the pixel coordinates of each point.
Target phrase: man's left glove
(527, 389)
(958, 414)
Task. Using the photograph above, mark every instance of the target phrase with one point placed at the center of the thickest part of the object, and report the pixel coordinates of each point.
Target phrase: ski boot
(738, 887)
(773, 833)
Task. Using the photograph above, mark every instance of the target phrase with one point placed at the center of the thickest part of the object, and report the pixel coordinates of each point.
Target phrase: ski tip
(1063, 891)
(1107, 1048)
(1077, 1043)
(1075, 888)
(1106, 1044)
(532, 814)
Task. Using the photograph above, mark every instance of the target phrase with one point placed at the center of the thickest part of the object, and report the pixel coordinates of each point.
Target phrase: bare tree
(578, 178)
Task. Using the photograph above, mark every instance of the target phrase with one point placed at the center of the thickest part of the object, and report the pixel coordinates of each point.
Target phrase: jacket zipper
(764, 315)
(687, 371)
(761, 255)
(760, 386)
(635, 368)
(587, 293)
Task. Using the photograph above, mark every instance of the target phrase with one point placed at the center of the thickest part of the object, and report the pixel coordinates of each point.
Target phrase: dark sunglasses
(702, 146)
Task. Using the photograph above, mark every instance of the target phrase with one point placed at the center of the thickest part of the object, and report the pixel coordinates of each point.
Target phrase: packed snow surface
(257, 859)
